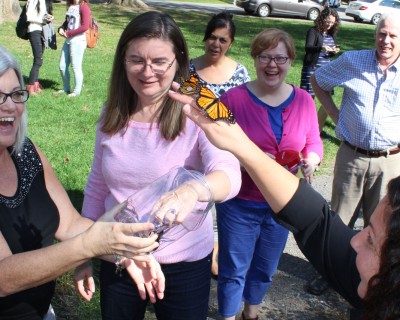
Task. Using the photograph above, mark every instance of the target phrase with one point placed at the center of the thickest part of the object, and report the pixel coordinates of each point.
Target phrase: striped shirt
(369, 116)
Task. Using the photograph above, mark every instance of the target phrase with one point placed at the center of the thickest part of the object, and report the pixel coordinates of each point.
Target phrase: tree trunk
(9, 10)
(131, 3)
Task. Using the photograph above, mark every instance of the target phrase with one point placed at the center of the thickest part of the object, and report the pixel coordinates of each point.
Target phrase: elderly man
(368, 122)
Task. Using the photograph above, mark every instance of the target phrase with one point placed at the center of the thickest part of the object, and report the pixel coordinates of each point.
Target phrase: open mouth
(6, 122)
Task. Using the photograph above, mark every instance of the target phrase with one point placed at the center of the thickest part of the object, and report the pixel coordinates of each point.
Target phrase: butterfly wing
(190, 86)
(212, 107)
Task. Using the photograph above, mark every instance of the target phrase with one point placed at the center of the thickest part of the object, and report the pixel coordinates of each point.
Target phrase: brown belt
(374, 153)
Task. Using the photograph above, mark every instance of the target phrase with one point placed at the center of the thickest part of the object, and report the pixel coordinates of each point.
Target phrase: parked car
(335, 3)
(371, 10)
(309, 9)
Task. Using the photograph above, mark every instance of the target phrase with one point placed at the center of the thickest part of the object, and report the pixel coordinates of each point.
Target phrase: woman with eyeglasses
(35, 210)
(320, 48)
(278, 117)
(142, 135)
(216, 71)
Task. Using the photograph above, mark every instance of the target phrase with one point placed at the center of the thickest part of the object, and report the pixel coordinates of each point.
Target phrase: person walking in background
(35, 210)
(216, 71)
(320, 47)
(76, 23)
(143, 134)
(38, 13)
(367, 122)
(278, 117)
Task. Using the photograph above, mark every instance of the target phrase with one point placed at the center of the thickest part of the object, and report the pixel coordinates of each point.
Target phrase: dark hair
(383, 294)
(320, 21)
(122, 99)
(220, 20)
(49, 6)
(270, 38)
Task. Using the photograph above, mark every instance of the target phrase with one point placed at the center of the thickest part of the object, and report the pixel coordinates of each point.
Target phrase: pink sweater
(300, 129)
(125, 163)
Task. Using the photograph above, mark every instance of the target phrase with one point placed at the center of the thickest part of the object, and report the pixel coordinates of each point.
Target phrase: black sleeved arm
(324, 239)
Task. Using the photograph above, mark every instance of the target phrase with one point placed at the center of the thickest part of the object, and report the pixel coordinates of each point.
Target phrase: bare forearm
(275, 183)
(29, 269)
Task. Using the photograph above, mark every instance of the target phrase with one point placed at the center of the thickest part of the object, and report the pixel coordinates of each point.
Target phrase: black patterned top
(28, 221)
(239, 77)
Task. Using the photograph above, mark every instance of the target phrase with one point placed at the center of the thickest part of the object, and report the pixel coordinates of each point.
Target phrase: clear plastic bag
(140, 206)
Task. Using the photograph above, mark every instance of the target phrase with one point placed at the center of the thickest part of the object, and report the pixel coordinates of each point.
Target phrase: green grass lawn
(64, 128)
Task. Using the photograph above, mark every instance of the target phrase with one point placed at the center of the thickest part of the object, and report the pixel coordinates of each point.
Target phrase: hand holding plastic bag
(175, 203)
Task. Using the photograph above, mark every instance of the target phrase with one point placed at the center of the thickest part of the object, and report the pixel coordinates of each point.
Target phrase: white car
(371, 10)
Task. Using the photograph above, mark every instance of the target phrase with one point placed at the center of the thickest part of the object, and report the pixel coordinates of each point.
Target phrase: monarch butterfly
(190, 86)
(212, 107)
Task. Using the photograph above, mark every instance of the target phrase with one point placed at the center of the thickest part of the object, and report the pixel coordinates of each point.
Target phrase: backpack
(22, 25)
(92, 34)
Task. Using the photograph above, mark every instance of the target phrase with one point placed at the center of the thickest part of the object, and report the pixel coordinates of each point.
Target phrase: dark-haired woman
(320, 48)
(217, 71)
(38, 13)
(214, 68)
(142, 135)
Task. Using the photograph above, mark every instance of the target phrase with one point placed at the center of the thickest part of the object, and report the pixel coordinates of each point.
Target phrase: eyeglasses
(158, 67)
(19, 96)
(268, 59)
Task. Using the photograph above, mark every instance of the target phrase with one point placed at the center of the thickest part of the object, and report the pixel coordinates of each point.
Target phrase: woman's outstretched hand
(108, 238)
(220, 133)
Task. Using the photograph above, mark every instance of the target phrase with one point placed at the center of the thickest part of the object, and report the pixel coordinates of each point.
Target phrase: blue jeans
(187, 289)
(250, 245)
(72, 54)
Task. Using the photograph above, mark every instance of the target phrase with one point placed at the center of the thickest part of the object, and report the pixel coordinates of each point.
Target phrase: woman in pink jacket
(277, 117)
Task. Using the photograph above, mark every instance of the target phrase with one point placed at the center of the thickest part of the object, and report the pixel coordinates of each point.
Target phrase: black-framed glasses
(19, 96)
(268, 59)
(158, 67)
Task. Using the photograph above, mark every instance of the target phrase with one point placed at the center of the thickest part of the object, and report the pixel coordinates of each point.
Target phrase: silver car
(302, 8)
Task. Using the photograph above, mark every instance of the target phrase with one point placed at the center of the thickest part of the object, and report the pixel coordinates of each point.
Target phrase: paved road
(215, 8)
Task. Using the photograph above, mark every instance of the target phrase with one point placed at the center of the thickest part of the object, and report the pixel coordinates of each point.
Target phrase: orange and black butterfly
(212, 107)
(190, 86)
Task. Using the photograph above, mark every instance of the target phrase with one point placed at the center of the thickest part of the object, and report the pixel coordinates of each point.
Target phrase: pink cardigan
(131, 159)
(300, 129)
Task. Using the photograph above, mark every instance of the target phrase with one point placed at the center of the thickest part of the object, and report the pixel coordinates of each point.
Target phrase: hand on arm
(325, 98)
(81, 240)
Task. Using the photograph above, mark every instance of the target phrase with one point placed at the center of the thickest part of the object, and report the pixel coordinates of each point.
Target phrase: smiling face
(271, 75)
(218, 43)
(387, 40)
(10, 112)
(148, 85)
(368, 243)
(329, 22)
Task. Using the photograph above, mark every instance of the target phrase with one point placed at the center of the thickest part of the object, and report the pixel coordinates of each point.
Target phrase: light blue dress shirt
(369, 116)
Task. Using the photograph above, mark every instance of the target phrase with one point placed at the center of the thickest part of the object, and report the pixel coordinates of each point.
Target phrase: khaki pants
(360, 182)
